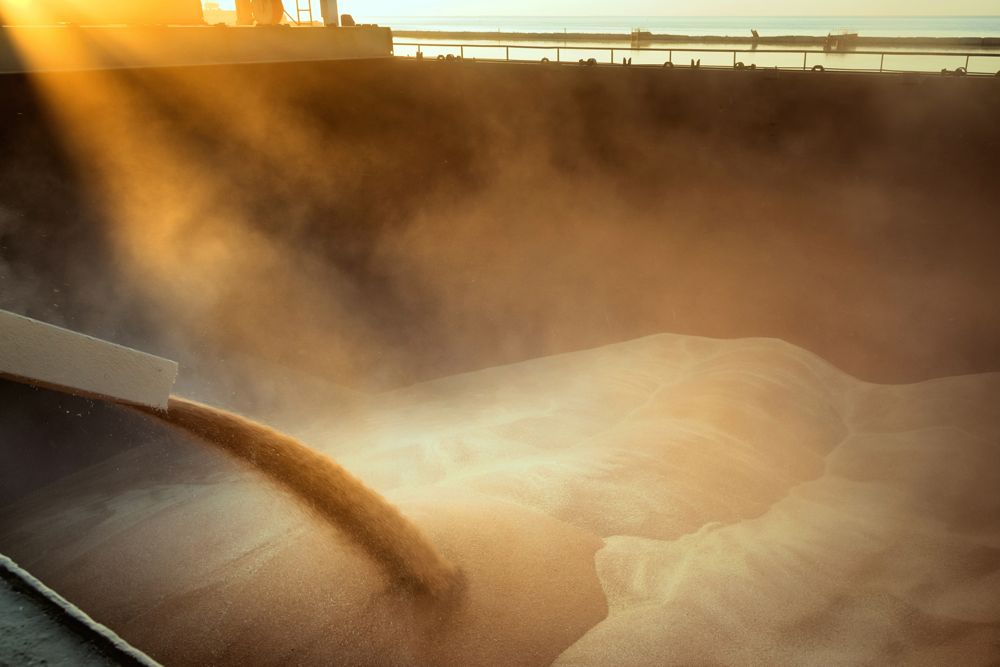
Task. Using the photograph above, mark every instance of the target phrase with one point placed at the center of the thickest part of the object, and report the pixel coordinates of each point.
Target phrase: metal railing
(466, 49)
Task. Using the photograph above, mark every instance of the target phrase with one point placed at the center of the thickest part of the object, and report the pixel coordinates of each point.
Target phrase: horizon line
(735, 16)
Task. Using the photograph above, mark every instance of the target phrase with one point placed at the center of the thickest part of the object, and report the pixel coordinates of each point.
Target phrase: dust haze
(378, 232)
(632, 348)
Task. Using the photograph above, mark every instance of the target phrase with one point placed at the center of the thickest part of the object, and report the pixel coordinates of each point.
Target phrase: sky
(668, 7)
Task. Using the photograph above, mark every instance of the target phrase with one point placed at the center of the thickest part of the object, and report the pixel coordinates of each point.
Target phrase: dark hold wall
(425, 218)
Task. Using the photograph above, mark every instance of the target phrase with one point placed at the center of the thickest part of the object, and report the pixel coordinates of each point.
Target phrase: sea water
(716, 54)
(767, 26)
